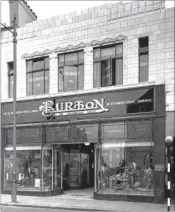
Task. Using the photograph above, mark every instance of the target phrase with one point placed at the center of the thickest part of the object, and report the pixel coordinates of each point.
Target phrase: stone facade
(124, 22)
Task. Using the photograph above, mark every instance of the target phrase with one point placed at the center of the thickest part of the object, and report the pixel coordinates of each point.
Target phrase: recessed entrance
(78, 166)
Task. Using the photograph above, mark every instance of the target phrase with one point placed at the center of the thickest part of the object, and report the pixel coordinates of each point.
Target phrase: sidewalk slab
(79, 203)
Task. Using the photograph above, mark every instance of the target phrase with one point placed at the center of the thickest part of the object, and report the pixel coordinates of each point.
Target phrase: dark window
(10, 79)
(143, 59)
(108, 66)
(38, 76)
(71, 71)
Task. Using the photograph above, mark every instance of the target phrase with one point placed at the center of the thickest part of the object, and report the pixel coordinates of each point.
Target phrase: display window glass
(28, 169)
(126, 168)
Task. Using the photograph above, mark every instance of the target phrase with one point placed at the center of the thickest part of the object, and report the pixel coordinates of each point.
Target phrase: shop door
(57, 169)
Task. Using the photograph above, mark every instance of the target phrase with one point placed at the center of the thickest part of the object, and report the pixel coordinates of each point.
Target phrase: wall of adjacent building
(130, 21)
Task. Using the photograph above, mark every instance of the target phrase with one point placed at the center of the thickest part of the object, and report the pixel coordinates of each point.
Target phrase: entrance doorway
(78, 166)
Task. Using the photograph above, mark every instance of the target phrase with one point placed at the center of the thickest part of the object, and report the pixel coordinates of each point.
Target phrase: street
(27, 209)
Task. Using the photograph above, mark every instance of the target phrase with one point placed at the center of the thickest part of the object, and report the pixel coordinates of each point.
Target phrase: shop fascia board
(81, 92)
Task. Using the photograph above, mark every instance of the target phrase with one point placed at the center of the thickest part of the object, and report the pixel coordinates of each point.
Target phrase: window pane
(119, 50)
(46, 81)
(119, 71)
(106, 68)
(71, 59)
(81, 77)
(143, 68)
(60, 79)
(10, 68)
(127, 169)
(38, 65)
(107, 53)
(29, 65)
(10, 86)
(96, 54)
(97, 75)
(61, 60)
(46, 61)
(28, 169)
(29, 84)
(38, 83)
(70, 78)
(81, 57)
(143, 45)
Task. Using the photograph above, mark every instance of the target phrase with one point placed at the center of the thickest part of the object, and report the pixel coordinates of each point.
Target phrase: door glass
(57, 170)
(74, 169)
(84, 169)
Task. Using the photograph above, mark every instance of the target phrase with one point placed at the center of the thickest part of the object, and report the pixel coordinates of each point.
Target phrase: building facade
(95, 93)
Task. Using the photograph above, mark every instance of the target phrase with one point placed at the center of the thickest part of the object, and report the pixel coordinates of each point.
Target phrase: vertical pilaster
(53, 73)
(88, 68)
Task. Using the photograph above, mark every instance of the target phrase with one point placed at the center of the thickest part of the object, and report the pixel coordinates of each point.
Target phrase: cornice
(80, 46)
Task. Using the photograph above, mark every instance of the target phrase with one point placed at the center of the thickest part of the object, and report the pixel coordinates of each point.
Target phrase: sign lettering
(70, 108)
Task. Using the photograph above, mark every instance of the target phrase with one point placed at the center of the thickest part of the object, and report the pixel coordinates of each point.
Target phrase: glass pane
(97, 75)
(61, 60)
(47, 61)
(38, 83)
(10, 68)
(28, 168)
(119, 50)
(81, 77)
(47, 170)
(107, 53)
(57, 169)
(119, 71)
(29, 84)
(106, 67)
(96, 54)
(47, 81)
(143, 68)
(60, 79)
(81, 57)
(38, 65)
(70, 78)
(126, 169)
(29, 65)
(71, 59)
(11, 86)
(113, 131)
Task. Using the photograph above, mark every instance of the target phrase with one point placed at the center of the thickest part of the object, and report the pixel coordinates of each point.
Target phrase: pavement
(69, 201)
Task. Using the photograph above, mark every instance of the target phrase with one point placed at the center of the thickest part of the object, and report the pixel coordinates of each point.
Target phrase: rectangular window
(108, 66)
(38, 76)
(71, 71)
(10, 79)
(143, 59)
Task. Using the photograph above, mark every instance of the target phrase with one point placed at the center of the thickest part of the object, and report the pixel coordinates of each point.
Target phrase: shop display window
(126, 168)
(28, 169)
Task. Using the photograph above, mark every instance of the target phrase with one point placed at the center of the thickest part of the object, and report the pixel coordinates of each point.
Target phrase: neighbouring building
(95, 101)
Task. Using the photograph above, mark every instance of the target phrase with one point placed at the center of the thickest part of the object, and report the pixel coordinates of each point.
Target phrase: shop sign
(103, 104)
(159, 167)
(70, 108)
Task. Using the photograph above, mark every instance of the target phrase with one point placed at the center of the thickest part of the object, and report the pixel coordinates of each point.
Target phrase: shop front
(112, 141)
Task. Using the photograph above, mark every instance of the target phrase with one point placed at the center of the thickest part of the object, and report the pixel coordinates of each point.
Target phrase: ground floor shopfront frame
(127, 154)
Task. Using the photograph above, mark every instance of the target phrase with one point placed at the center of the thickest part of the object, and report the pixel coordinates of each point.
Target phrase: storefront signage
(70, 108)
(159, 167)
(84, 106)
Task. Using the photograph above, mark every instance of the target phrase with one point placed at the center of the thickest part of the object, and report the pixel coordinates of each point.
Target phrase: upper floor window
(143, 59)
(10, 79)
(38, 76)
(108, 66)
(71, 71)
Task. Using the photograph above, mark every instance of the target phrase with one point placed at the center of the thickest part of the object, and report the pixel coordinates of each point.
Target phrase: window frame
(143, 51)
(78, 64)
(100, 60)
(37, 71)
(10, 74)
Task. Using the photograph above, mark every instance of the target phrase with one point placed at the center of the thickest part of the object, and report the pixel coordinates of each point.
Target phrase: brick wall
(83, 29)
